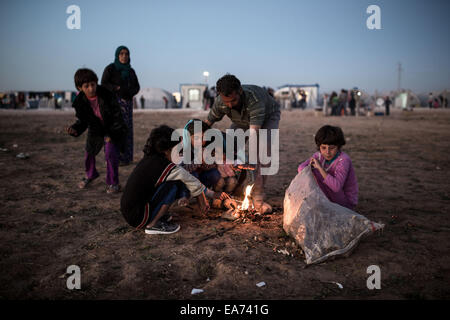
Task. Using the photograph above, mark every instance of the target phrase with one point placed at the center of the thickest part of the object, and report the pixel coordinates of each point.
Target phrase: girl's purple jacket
(340, 185)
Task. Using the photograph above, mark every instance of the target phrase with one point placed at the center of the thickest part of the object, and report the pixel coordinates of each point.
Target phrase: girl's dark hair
(330, 135)
(228, 84)
(159, 141)
(84, 76)
(191, 125)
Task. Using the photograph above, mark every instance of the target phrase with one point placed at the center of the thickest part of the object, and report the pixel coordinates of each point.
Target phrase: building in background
(300, 96)
(192, 95)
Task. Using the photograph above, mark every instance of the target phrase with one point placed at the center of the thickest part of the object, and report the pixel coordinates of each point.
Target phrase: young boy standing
(156, 182)
(98, 111)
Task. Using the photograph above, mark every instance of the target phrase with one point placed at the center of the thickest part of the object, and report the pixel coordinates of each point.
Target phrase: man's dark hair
(159, 141)
(330, 135)
(228, 84)
(84, 76)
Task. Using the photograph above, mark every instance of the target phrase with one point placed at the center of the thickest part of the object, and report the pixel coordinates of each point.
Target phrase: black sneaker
(162, 227)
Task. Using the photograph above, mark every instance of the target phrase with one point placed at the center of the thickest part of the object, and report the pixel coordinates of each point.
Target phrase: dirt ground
(48, 224)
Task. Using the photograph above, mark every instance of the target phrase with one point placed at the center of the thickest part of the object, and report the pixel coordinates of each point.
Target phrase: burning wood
(246, 203)
(236, 210)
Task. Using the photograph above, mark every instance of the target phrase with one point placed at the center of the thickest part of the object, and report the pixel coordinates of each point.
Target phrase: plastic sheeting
(322, 228)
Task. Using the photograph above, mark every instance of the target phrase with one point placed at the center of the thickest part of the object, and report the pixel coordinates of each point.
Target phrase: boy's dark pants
(209, 178)
(167, 193)
(93, 146)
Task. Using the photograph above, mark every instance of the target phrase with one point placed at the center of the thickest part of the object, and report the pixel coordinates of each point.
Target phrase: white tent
(153, 98)
(288, 96)
(406, 100)
(192, 94)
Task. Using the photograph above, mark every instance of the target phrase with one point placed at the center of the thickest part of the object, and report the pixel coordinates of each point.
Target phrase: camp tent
(288, 96)
(192, 94)
(154, 98)
(406, 99)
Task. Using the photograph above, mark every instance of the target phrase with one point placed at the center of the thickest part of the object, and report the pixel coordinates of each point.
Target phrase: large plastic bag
(322, 228)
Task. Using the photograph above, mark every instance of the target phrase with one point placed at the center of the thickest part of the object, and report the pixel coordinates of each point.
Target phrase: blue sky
(264, 42)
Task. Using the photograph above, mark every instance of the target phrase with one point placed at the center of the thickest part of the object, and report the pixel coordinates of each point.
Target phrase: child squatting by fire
(156, 182)
(220, 176)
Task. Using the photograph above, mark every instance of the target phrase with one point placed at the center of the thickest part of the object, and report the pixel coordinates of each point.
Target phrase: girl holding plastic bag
(333, 168)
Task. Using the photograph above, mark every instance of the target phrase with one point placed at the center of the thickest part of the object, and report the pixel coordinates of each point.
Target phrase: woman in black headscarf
(121, 79)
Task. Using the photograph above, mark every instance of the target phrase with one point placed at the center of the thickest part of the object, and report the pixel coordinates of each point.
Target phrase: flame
(246, 203)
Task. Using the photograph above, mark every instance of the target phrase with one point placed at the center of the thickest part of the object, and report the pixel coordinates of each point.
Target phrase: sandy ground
(48, 224)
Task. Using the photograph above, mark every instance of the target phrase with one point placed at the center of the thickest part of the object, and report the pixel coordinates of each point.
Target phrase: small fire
(246, 203)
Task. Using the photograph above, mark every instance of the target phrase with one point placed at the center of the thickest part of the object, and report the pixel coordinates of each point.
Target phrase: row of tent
(191, 96)
(289, 96)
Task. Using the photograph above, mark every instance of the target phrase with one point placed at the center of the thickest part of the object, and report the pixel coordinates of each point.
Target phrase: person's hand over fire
(203, 204)
(221, 195)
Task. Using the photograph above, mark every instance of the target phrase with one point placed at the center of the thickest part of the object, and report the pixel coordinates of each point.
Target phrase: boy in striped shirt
(156, 182)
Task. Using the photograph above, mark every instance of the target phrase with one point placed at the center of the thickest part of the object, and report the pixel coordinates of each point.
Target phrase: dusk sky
(264, 42)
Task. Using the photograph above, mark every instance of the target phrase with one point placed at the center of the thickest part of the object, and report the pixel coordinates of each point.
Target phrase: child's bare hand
(315, 163)
(221, 195)
(183, 202)
(71, 131)
(205, 209)
(203, 204)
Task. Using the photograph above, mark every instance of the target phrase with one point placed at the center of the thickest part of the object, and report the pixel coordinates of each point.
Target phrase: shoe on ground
(85, 182)
(162, 227)
(113, 188)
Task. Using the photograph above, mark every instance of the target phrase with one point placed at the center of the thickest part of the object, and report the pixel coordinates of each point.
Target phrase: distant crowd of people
(437, 102)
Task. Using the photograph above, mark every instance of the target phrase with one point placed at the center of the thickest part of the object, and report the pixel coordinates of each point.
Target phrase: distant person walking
(387, 104)
(121, 79)
(212, 96)
(342, 110)
(334, 103)
(206, 99)
(142, 102)
(436, 103)
(430, 100)
(325, 105)
(352, 103)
